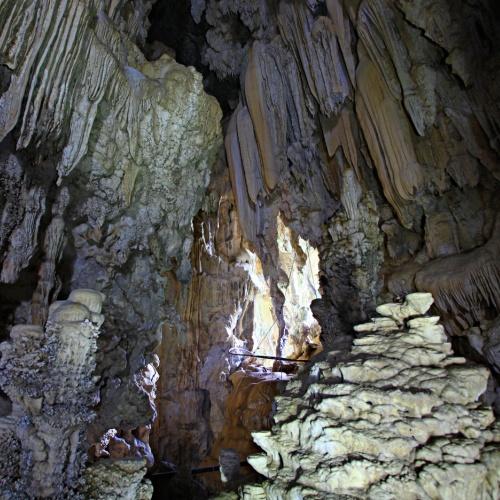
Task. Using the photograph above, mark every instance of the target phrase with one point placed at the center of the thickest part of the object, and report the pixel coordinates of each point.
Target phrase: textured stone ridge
(398, 417)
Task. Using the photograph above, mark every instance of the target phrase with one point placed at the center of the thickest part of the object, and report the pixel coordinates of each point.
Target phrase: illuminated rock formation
(398, 417)
(351, 128)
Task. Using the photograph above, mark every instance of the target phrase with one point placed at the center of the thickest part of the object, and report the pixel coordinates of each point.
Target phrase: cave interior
(249, 249)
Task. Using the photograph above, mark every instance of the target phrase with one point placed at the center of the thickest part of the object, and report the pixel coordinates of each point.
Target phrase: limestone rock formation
(399, 417)
(372, 127)
(105, 160)
(117, 480)
(248, 408)
(49, 374)
(359, 128)
(208, 397)
(194, 361)
(11, 453)
(362, 132)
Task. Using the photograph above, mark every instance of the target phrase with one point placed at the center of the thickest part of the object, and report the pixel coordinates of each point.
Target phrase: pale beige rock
(414, 304)
(92, 299)
(25, 331)
(117, 480)
(401, 421)
(49, 375)
(69, 312)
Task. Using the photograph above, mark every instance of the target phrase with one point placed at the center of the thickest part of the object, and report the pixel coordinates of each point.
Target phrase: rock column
(48, 374)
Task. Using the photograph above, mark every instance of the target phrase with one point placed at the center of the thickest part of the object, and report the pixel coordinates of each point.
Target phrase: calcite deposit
(49, 375)
(104, 162)
(239, 179)
(117, 480)
(400, 416)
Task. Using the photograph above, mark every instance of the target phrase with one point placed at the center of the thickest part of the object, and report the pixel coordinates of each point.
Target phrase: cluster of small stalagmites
(48, 374)
(398, 417)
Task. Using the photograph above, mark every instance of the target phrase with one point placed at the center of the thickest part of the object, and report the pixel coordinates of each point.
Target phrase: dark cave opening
(172, 26)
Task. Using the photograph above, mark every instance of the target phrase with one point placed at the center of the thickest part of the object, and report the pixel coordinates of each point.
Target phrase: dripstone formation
(49, 374)
(104, 160)
(351, 158)
(117, 480)
(399, 417)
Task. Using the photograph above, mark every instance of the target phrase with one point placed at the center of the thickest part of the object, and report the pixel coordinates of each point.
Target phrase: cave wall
(105, 157)
(213, 310)
(209, 397)
(370, 130)
(372, 127)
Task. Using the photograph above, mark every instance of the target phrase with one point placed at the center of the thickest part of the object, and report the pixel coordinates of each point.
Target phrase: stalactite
(249, 154)
(465, 284)
(266, 102)
(388, 135)
(315, 45)
(246, 212)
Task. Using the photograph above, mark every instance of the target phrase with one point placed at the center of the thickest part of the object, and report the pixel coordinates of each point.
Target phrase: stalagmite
(398, 417)
(49, 373)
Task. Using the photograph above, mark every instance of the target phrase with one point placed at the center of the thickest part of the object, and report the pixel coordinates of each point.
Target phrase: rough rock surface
(117, 480)
(247, 409)
(49, 374)
(210, 319)
(399, 417)
(208, 397)
(104, 162)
